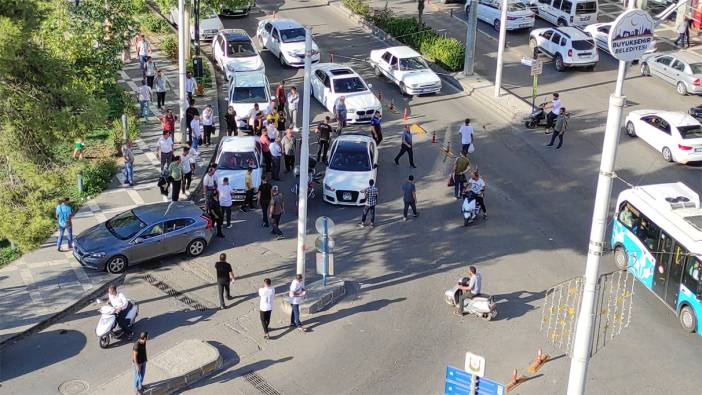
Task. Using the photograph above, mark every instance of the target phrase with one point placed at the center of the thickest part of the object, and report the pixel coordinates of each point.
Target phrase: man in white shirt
(121, 305)
(225, 200)
(555, 107)
(277, 155)
(251, 116)
(477, 188)
(470, 288)
(296, 294)
(144, 49)
(267, 294)
(209, 185)
(208, 124)
(144, 96)
(293, 100)
(272, 131)
(165, 149)
(196, 130)
(466, 132)
(189, 85)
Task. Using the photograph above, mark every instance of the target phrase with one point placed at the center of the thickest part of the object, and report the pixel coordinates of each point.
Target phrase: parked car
(676, 135)
(247, 88)
(235, 155)
(240, 9)
(353, 161)
(567, 12)
(143, 233)
(406, 68)
(680, 68)
(285, 39)
(209, 25)
(568, 46)
(600, 33)
(234, 51)
(330, 81)
(519, 16)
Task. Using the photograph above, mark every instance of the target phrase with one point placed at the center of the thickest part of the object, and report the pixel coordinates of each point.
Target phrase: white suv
(568, 46)
(247, 88)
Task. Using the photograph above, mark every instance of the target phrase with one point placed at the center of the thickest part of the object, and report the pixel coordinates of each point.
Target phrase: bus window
(628, 215)
(648, 233)
(691, 277)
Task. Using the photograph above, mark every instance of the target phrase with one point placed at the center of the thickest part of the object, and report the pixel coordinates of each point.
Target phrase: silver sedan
(682, 69)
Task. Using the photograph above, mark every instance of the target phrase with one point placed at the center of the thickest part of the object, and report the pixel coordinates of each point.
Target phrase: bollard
(79, 182)
(451, 12)
(433, 137)
(125, 130)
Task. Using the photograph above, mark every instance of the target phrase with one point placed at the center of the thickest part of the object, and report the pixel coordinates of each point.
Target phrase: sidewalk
(45, 284)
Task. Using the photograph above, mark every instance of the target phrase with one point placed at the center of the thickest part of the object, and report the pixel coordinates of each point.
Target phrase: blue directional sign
(458, 383)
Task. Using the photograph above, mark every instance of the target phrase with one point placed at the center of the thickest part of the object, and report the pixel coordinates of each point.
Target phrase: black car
(236, 7)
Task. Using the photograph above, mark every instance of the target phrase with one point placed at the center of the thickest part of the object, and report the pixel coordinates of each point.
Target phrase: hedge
(155, 23)
(169, 45)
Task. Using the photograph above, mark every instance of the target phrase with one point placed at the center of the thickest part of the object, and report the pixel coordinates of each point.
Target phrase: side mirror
(138, 240)
(98, 301)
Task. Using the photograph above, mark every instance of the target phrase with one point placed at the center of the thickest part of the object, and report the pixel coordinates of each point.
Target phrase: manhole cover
(74, 387)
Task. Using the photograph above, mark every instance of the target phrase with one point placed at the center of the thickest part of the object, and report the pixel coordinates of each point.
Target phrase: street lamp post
(182, 34)
(501, 48)
(471, 33)
(304, 158)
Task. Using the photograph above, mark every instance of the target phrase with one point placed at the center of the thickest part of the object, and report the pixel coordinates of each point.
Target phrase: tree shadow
(54, 347)
(229, 375)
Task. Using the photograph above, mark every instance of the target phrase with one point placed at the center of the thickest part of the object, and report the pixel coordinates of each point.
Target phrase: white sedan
(600, 33)
(330, 81)
(406, 68)
(285, 39)
(676, 135)
(353, 162)
(519, 16)
(233, 51)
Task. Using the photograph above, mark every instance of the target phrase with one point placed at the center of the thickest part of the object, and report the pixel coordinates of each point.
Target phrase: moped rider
(122, 305)
(470, 286)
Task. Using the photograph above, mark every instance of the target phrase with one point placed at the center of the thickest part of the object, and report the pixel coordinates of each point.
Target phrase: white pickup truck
(406, 68)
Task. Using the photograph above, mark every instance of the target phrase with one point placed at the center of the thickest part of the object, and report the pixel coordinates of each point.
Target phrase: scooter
(470, 208)
(312, 178)
(107, 328)
(537, 117)
(481, 305)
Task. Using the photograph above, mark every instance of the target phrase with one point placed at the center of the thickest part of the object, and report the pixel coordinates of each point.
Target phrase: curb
(85, 300)
(176, 383)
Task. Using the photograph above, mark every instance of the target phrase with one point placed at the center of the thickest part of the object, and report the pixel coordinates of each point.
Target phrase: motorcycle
(537, 117)
(480, 305)
(312, 178)
(107, 328)
(470, 208)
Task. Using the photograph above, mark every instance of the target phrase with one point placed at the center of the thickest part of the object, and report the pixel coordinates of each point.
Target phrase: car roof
(285, 23)
(354, 136)
(164, 211)
(238, 144)
(235, 35)
(403, 51)
(574, 33)
(335, 69)
(685, 56)
(250, 78)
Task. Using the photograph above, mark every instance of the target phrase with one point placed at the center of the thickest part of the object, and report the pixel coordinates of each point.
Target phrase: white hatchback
(285, 39)
(568, 46)
(330, 81)
(519, 16)
(234, 51)
(676, 135)
(235, 155)
(353, 162)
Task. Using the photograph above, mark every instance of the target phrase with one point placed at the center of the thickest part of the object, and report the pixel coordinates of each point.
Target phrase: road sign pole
(534, 89)
(304, 158)
(501, 49)
(473, 382)
(325, 252)
(471, 32)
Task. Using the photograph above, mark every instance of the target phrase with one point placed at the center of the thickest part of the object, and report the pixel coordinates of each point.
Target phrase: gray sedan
(682, 69)
(144, 233)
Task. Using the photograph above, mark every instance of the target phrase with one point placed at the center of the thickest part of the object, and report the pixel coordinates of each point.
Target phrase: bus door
(663, 255)
(675, 272)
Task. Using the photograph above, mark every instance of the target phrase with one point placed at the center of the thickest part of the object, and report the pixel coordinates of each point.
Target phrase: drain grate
(174, 293)
(260, 384)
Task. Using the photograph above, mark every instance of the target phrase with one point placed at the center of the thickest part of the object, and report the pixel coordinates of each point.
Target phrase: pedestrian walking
(555, 107)
(295, 296)
(150, 71)
(175, 174)
(683, 31)
(196, 128)
(225, 277)
(466, 132)
(249, 194)
(208, 124)
(264, 199)
(276, 157)
(190, 85)
(215, 212)
(340, 113)
(276, 210)
(225, 200)
(288, 144)
(190, 113)
(266, 150)
(165, 149)
(128, 156)
(477, 188)
(168, 121)
(280, 95)
(376, 130)
(187, 164)
(324, 130)
(406, 146)
(232, 126)
(460, 168)
(293, 100)
(209, 184)
(267, 295)
(143, 51)
(139, 362)
(409, 197)
(371, 200)
(163, 84)
(559, 129)
(64, 217)
(126, 55)
(144, 96)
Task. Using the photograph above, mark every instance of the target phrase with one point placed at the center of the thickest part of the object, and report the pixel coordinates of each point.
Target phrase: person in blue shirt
(375, 128)
(63, 215)
(406, 146)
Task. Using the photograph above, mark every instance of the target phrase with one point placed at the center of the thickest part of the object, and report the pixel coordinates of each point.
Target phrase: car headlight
(96, 254)
(328, 188)
(315, 52)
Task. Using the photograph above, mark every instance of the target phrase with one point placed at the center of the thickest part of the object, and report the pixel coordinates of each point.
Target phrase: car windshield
(350, 156)
(696, 68)
(690, 131)
(588, 7)
(583, 45)
(348, 85)
(512, 7)
(416, 63)
(293, 35)
(236, 161)
(125, 225)
(249, 94)
(241, 49)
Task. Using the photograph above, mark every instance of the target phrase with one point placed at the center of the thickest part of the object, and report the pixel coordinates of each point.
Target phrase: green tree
(206, 6)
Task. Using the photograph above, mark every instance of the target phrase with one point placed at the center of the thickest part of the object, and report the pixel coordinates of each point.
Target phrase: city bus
(657, 236)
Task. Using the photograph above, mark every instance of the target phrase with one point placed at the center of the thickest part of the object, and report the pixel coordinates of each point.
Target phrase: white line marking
(95, 209)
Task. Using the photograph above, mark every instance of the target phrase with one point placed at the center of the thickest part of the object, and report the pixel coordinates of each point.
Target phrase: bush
(358, 7)
(118, 135)
(169, 45)
(7, 254)
(96, 175)
(155, 23)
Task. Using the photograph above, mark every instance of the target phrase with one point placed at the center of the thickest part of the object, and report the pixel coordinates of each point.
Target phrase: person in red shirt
(266, 148)
(168, 121)
(280, 94)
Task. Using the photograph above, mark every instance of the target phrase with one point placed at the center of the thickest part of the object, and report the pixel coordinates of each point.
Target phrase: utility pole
(501, 48)
(186, 7)
(182, 38)
(304, 158)
(471, 31)
(196, 11)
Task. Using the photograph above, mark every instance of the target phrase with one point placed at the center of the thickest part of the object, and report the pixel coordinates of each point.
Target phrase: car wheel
(688, 320)
(681, 88)
(559, 63)
(667, 155)
(645, 71)
(630, 130)
(196, 247)
(376, 71)
(104, 341)
(116, 264)
(534, 46)
(496, 25)
(621, 258)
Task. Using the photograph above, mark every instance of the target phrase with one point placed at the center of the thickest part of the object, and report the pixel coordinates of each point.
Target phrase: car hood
(420, 77)
(361, 100)
(250, 63)
(298, 47)
(98, 239)
(237, 178)
(242, 109)
(348, 180)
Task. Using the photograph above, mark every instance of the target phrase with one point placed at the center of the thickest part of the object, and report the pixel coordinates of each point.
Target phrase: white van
(210, 24)
(567, 12)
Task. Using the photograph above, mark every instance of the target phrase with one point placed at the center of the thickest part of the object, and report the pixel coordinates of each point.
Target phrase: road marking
(145, 148)
(95, 209)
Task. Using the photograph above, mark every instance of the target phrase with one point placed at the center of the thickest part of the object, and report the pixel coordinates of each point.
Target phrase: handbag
(451, 181)
(471, 148)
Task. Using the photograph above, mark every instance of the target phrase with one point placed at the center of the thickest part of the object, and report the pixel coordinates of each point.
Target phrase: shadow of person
(343, 313)
(232, 374)
(516, 304)
(163, 323)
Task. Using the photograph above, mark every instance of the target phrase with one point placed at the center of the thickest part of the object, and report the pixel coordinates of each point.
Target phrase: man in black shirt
(324, 130)
(139, 361)
(214, 211)
(190, 113)
(264, 198)
(225, 276)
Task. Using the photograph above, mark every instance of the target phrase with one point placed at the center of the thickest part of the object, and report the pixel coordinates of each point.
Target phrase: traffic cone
(516, 380)
(405, 114)
(540, 359)
(433, 137)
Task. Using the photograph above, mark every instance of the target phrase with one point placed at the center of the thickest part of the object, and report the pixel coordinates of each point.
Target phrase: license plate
(698, 149)
(239, 196)
(346, 196)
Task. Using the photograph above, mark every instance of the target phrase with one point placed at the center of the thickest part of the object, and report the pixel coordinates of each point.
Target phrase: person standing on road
(371, 200)
(466, 132)
(324, 130)
(683, 31)
(209, 184)
(559, 129)
(266, 149)
(196, 128)
(150, 71)
(293, 101)
(128, 156)
(406, 146)
(288, 144)
(249, 194)
(163, 84)
(190, 85)
(477, 188)
(175, 172)
(409, 197)
(225, 200)
(276, 210)
(144, 96)
(215, 212)
(295, 297)
(340, 114)
(376, 130)
(264, 199)
(280, 95)
(225, 277)
(460, 169)
(208, 124)
(187, 164)
(232, 126)
(470, 287)
(276, 156)
(555, 107)
(64, 217)
(190, 113)
(168, 121)
(139, 362)
(267, 294)
(165, 149)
